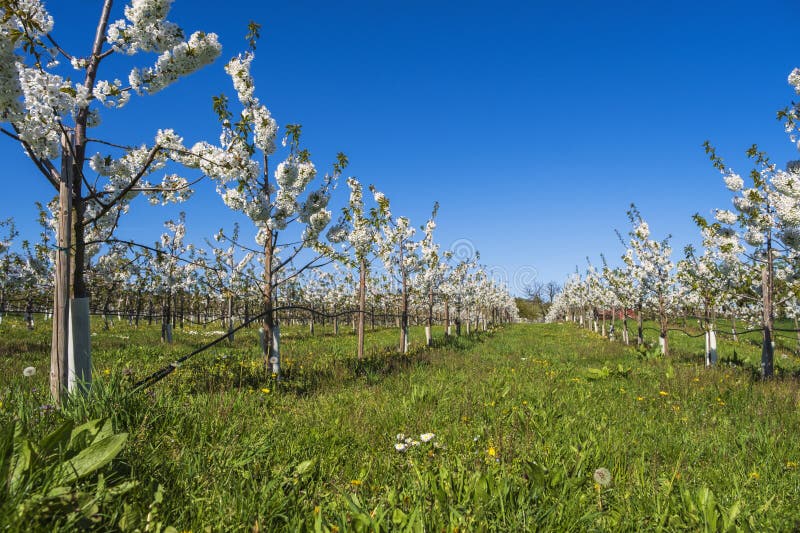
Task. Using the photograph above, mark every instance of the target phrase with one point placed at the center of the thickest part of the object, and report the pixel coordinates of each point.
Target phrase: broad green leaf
(304, 467)
(57, 438)
(92, 458)
(21, 459)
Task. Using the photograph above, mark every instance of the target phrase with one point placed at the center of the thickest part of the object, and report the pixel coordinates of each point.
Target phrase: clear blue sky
(533, 124)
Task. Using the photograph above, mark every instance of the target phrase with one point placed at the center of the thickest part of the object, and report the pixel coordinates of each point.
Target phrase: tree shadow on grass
(309, 378)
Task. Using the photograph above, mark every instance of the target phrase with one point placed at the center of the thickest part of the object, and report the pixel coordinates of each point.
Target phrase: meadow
(521, 417)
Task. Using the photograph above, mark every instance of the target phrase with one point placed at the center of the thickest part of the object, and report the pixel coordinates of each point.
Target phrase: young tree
(649, 261)
(400, 256)
(50, 117)
(361, 231)
(241, 167)
(764, 230)
(435, 268)
(8, 261)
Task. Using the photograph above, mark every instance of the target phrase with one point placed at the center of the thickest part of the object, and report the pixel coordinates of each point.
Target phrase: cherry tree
(50, 116)
(361, 232)
(763, 230)
(8, 261)
(240, 165)
(650, 263)
(623, 296)
(400, 256)
(228, 275)
(171, 272)
(435, 270)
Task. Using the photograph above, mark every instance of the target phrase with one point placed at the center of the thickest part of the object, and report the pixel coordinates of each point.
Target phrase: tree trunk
(362, 306)
(767, 349)
(639, 327)
(429, 328)
(59, 354)
(446, 317)
(166, 322)
(230, 318)
(404, 315)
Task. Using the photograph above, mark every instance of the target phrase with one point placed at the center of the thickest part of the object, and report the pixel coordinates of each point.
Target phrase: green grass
(523, 416)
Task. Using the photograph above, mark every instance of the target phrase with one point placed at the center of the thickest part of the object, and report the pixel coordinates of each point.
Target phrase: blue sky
(534, 124)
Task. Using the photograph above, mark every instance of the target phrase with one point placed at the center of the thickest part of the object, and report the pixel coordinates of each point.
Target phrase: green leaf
(21, 460)
(88, 433)
(398, 517)
(6, 453)
(91, 459)
(304, 467)
(57, 438)
(597, 373)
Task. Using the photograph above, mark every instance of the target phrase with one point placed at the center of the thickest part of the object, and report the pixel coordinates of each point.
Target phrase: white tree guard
(661, 344)
(275, 356)
(428, 335)
(711, 348)
(79, 362)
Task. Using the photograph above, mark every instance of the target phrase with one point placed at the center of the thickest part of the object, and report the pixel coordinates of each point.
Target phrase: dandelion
(401, 447)
(602, 477)
(755, 475)
(265, 390)
(640, 398)
(663, 393)
(491, 452)
(29, 371)
(355, 482)
(789, 464)
(106, 372)
(427, 437)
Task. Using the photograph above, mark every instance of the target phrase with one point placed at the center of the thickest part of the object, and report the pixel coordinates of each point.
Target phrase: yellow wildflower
(265, 390)
(754, 475)
(491, 452)
(663, 393)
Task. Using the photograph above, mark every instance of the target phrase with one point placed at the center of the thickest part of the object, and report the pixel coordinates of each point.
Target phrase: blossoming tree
(240, 164)
(763, 230)
(649, 261)
(361, 232)
(50, 117)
